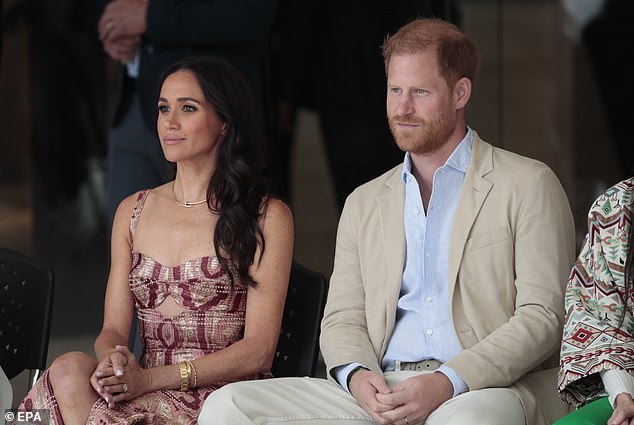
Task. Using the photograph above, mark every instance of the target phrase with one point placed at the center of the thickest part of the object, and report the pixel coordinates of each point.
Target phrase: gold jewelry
(185, 375)
(187, 204)
(193, 383)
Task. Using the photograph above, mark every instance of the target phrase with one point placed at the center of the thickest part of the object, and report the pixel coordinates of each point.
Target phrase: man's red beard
(428, 137)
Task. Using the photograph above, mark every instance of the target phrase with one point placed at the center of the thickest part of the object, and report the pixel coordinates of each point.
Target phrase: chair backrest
(26, 304)
(298, 347)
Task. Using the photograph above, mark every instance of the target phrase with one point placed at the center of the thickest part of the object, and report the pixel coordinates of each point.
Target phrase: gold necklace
(187, 204)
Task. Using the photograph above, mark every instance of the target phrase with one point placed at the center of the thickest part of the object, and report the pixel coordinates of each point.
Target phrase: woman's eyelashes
(185, 108)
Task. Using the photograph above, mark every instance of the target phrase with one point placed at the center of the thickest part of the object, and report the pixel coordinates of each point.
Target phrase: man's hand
(623, 410)
(415, 398)
(123, 18)
(123, 48)
(121, 26)
(364, 386)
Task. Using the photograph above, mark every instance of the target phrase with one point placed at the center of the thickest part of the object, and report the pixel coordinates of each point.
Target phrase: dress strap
(136, 213)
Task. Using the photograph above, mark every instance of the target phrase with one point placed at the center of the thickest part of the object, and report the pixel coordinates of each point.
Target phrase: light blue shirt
(424, 326)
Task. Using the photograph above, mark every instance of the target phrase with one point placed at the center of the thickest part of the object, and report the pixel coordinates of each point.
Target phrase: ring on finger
(405, 418)
(125, 388)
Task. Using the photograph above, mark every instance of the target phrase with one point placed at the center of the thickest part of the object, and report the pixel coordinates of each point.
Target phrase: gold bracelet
(193, 383)
(185, 375)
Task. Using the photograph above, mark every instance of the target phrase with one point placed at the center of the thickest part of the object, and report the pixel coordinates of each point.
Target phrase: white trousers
(6, 392)
(313, 401)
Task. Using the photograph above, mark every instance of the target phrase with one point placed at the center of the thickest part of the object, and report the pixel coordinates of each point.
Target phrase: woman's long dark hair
(238, 190)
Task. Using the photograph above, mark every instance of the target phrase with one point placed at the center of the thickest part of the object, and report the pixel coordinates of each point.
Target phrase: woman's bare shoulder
(277, 211)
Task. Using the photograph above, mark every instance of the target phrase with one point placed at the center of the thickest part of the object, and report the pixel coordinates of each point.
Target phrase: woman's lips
(173, 140)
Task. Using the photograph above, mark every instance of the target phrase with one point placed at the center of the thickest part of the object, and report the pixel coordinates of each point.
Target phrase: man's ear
(462, 92)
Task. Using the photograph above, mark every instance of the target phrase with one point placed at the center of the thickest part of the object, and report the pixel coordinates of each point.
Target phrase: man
(445, 303)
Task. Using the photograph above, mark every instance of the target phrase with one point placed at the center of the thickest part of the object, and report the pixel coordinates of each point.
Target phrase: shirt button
(428, 299)
(429, 332)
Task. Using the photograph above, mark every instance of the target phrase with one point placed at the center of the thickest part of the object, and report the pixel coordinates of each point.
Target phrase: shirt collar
(458, 160)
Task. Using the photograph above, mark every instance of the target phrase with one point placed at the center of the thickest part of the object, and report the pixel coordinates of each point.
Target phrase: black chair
(298, 347)
(26, 304)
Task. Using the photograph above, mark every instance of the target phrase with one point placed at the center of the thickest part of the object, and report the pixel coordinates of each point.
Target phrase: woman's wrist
(187, 375)
(622, 397)
(616, 382)
(148, 380)
(104, 354)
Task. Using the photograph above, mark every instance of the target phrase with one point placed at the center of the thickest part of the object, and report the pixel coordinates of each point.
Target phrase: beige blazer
(511, 249)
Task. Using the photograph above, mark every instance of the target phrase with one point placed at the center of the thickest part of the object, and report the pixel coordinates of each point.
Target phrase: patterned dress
(594, 338)
(213, 319)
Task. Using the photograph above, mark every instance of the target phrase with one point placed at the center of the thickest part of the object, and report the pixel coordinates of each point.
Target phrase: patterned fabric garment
(213, 319)
(594, 338)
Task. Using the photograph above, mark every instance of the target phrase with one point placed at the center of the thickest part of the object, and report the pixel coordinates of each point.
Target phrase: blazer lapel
(474, 191)
(390, 203)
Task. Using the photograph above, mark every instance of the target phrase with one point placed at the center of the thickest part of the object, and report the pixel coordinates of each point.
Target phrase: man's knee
(482, 407)
(223, 406)
(474, 417)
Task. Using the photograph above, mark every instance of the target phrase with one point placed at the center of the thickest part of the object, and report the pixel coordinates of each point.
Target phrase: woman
(597, 352)
(205, 259)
